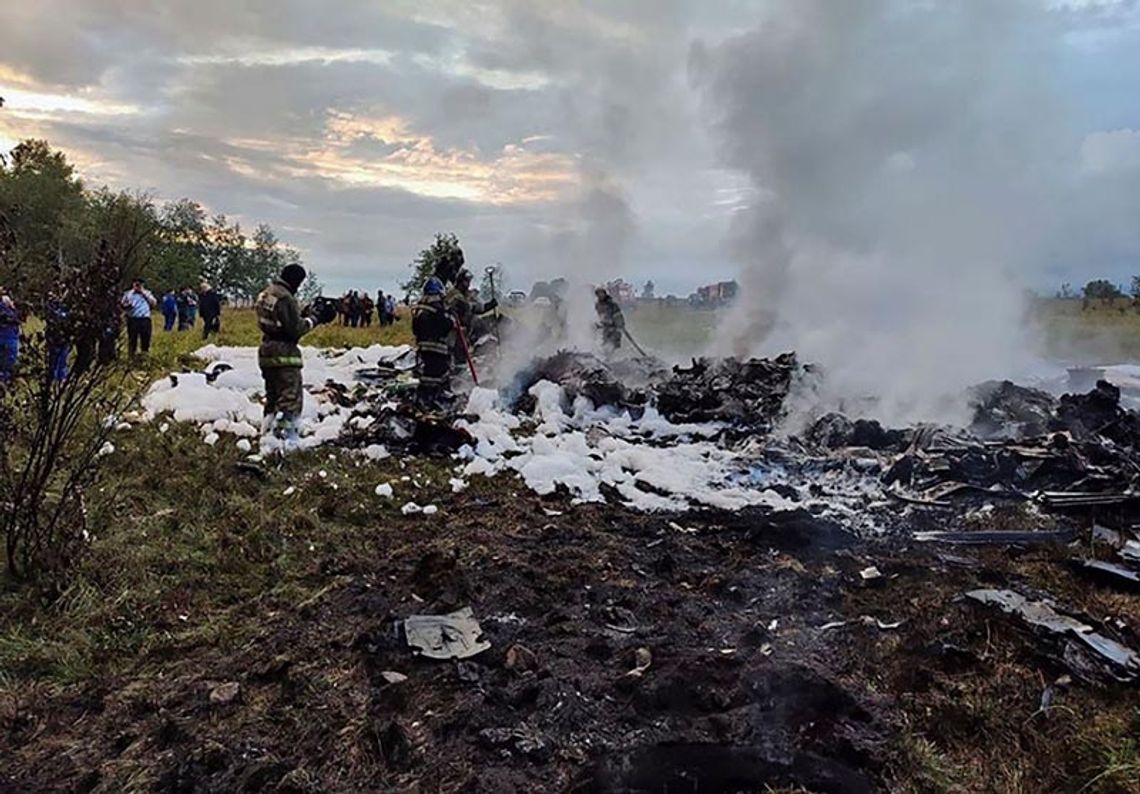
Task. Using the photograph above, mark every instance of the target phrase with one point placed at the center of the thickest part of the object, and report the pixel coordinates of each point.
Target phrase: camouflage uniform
(279, 356)
(432, 326)
(611, 322)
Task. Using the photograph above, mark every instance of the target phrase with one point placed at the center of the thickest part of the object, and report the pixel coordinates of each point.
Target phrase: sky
(631, 138)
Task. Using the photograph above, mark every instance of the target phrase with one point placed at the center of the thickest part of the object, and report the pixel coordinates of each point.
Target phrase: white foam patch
(651, 463)
(232, 403)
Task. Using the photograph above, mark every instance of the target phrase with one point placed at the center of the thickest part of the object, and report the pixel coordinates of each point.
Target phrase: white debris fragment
(243, 445)
(870, 573)
(107, 449)
(457, 485)
(123, 426)
(322, 474)
(210, 439)
(375, 452)
(289, 491)
(384, 490)
(430, 510)
(411, 507)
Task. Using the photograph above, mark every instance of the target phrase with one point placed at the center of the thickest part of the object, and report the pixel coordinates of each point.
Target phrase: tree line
(52, 225)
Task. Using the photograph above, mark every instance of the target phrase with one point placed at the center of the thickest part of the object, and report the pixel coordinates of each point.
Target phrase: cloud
(513, 122)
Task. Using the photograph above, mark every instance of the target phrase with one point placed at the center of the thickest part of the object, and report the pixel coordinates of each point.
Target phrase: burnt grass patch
(767, 662)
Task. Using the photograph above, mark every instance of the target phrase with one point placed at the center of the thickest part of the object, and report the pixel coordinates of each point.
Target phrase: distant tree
(42, 201)
(180, 258)
(263, 262)
(1103, 290)
(226, 258)
(492, 283)
(444, 249)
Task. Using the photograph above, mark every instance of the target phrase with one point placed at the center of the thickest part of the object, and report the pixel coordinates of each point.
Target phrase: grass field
(1097, 334)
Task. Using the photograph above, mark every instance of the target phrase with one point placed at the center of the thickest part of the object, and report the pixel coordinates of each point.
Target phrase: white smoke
(903, 156)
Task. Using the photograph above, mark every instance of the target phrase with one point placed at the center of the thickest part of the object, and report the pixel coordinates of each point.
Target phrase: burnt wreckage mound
(729, 390)
(742, 393)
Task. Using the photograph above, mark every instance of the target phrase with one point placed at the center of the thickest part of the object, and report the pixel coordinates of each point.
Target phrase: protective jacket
(431, 324)
(282, 326)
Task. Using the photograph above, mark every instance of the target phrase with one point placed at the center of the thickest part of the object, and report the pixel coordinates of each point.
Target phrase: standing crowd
(71, 345)
(181, 308)
(355, 310)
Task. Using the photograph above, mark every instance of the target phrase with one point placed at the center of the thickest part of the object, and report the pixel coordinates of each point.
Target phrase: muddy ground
(748, 687)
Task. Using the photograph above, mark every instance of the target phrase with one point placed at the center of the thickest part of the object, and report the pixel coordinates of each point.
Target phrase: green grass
(1100, 333)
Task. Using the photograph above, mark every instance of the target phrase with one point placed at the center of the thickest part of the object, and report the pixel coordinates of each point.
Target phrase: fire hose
(466, 351)
(634, 342)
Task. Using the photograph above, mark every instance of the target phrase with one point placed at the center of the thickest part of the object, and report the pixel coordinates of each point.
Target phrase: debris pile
(749, 392)
(1085, 456)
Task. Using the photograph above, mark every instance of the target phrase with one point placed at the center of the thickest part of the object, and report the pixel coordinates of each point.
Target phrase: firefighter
(282, 325)
(432, 326)
(611, 322)
(464, 305)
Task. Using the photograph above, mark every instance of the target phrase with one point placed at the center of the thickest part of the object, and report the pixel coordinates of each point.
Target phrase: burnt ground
(747, 687)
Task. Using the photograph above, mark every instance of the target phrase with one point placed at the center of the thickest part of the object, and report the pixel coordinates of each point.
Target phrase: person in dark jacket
(366, 307)
(432, 326)
(169, 310)
(210, 307)
(282, 325)
(57, 334)
(9, 337)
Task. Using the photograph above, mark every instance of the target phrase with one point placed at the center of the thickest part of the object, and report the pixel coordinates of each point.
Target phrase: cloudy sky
(568, 136)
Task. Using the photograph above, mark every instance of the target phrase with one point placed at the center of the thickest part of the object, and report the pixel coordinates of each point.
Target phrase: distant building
(713, 295)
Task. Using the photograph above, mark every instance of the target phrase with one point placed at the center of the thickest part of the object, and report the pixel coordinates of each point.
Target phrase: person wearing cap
(432, 326)
(282, 325)
(210, 308)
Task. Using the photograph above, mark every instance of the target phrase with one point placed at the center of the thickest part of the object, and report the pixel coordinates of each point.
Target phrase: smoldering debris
(751, 391)
(710, 434)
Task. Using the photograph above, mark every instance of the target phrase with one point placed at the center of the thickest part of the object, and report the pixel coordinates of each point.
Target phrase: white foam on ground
(650, 463)
(233, 402)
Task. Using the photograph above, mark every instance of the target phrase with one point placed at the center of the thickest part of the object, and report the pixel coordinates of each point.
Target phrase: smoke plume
(903, 156)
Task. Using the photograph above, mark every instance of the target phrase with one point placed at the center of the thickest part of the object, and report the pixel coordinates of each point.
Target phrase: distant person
(138, 303)
(191, 303)
(391, 304)
(9, 337)
(279, 356)
(366, 307)
(611, 322)
(169, 310)
(344, 309)
(57, 336)
(210, 306)
(381, 308)
(353, 309)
